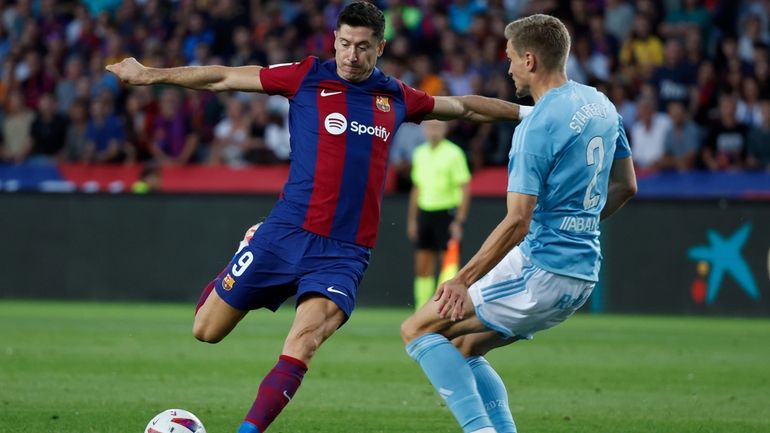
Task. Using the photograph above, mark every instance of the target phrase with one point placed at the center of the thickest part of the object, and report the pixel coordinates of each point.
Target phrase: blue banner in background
(743, 185)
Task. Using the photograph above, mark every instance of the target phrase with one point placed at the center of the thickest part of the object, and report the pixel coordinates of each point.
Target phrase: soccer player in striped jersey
(570, 167)
(316, 242)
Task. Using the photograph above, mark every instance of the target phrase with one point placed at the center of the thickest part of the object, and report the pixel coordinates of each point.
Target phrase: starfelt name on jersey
(377, 131)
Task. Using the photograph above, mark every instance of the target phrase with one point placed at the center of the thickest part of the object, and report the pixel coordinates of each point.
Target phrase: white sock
(485, 430)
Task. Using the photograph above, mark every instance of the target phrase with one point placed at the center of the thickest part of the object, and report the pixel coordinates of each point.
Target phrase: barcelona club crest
(382, 103)
(228, 282)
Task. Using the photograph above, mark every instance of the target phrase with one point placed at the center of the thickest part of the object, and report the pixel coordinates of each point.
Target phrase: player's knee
(409, 330)
(205, 333)
(304, 342)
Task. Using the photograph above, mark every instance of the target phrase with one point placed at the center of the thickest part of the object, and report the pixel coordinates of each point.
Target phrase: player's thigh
(480, 343)
(427, 320)
(316, 319)
(215, 319)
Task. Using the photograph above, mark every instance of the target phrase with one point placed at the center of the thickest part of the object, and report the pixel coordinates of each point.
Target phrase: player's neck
(540, 85)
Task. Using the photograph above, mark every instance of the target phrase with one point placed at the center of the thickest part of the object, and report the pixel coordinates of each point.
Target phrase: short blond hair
(545, 36)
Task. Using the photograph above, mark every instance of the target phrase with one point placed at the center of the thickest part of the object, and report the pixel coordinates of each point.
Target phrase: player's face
(357, 50)
(518, 71)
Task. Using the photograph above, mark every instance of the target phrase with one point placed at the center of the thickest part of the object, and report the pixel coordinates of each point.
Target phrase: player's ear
(530, 61)
(381, 47)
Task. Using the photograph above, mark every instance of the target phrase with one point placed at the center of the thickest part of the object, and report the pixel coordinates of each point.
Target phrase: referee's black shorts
(433, 229)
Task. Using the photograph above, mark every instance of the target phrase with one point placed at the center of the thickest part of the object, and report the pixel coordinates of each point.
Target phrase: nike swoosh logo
(333, 290)
(286, 394)
(325, 93)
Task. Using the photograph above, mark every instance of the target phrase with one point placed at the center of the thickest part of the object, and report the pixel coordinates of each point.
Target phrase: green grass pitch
(107, 367)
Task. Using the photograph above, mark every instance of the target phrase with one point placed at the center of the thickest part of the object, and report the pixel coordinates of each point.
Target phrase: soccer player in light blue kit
(570, 167)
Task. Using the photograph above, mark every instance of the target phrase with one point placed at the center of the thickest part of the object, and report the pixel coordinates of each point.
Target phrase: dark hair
(363, 14)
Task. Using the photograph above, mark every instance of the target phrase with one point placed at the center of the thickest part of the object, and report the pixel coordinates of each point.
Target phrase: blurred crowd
(690, 77)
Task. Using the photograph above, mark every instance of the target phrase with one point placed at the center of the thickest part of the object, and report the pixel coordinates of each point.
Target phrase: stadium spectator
(76, 140)
(277, 134)
(260, 153)
(105, 135)
(682, 141)
(625, 105)
(16, 123)
(585, 65)
(401, 19)
(461, 13)
(690, 15)
(196, 34)
(244, 52)
(674, 80)
(748, 110)
(205, 110)
(603, 42)
(752, 34)
(36, 81)
(231, 136)
(759, 141)
(725, 146)
(642, 52)
(707, 88)
(227, 15)
(648, 135)
(425, 77)
(171, 141)
(617, 15)
(48, 131)
(66, 87)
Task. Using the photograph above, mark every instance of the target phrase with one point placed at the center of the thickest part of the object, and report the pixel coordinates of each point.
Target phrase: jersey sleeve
(285, 78)
(622, 148)
(529, 165)
(418, 103)
(460, 173)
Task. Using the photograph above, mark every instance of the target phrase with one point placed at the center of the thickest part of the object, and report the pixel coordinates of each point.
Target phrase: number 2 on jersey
(596, 143)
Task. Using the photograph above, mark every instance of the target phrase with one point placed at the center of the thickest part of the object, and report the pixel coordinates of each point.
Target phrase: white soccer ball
(175, 421)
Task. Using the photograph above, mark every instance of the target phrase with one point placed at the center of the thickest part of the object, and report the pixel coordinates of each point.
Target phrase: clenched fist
(130, 71)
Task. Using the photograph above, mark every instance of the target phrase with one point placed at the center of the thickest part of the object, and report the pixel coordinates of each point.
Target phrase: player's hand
(130, 71)
(451, 297)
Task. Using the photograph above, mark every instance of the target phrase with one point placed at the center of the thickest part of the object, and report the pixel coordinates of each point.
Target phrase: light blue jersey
(562, 153)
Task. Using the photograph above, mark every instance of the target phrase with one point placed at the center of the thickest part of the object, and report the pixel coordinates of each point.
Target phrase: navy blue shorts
(283, 260)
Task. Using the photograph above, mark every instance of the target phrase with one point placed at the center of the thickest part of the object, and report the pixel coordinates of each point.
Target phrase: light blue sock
(247, 427)
(452, 377)
(493, 394)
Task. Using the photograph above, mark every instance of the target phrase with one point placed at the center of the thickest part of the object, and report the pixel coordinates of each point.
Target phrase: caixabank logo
(721, 258)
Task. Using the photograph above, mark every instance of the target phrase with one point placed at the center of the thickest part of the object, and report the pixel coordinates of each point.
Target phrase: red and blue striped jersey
(340, 135)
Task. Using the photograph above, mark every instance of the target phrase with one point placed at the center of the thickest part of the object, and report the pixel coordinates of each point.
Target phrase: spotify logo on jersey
(336, 123)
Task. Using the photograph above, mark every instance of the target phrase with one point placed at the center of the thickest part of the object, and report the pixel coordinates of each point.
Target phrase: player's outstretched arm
(215, 78)
(622, 186)
(509, 233)
(476, 108)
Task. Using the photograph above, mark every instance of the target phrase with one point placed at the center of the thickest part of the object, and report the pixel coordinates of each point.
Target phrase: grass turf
(96, 367)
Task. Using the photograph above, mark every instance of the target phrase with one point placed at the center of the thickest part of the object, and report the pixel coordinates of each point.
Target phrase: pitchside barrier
(673, 256)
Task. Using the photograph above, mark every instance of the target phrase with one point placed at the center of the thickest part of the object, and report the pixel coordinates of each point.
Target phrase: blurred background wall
(661, 256)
